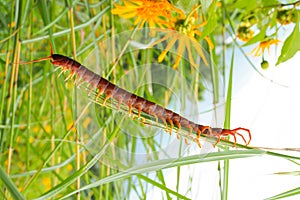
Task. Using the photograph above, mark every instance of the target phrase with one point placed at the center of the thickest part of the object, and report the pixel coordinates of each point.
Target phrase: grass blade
(10, 185)
(293, 192)
(224, 192)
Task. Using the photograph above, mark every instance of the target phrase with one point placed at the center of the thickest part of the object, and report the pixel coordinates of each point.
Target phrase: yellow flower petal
(179, 52)
(152, 11)
(209, 42)
(190, 55)
(260, 49)
(170, 44)
(198, 48)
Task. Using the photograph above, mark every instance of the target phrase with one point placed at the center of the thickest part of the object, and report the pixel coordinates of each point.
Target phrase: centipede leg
(106, 98)
(100, 92)
(178, 128)
(233, 132)
(61, 72)
(139, 115)
(90, 90)
(165, 123)
(244, 129)
(139, 112)
(218, 140)
(70, 76)
(197, 139)
(156, 119)
(171, 126)
(129, 109)
(198, 142)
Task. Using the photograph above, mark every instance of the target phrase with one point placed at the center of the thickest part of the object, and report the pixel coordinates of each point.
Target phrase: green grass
(56, 141)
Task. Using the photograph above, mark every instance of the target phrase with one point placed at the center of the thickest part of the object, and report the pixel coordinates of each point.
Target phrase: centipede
(169, 118)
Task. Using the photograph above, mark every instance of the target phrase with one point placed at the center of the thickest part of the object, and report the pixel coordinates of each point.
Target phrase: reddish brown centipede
(168, 117)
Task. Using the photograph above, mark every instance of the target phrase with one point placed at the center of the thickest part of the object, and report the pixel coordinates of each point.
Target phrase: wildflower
(183, 31)
(244, 33)
(259, 50)
(11, 25)
(69, 167)
(286, 16)
(155, 12)
(48, 128)
(47, 182)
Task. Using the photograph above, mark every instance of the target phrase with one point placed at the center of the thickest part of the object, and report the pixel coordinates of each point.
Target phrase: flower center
(185, 26)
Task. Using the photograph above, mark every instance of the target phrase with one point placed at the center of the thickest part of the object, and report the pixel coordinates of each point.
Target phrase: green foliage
(290, 46)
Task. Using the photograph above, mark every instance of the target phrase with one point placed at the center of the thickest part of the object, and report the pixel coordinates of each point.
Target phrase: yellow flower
(47, 182)
(260, 49)
(183, 31)
(48, 128)
(155, 12)
(69, 167)
(244, 32)
(12, 24)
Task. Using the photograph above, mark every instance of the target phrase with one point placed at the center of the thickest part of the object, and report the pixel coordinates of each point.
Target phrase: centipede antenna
(51, 49)
(41, 59)
(34, 61)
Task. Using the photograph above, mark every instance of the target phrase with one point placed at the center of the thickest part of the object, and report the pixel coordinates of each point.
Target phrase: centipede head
(59, 60)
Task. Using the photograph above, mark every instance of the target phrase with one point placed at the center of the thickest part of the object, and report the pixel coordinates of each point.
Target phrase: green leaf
(293, 192)
(206, 4)
(291, 45)
(211, 21)
(265, 3)
(246, 5)
(185, 5)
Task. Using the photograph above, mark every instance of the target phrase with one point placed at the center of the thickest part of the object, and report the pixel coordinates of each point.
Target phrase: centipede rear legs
(232, 132)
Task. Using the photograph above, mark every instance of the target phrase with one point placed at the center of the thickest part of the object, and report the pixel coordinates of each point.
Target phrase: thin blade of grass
(164, 164)
(163, 187)
(12, 188)
(224, 192)
(293, 192)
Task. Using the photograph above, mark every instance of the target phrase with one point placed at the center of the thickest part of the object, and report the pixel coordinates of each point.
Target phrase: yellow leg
(98, 95)
(129, 110)
(198, 135)
(139, 112)
(70, 76)
(198, 142)
(139, 115)
(61, 72)
(105, 99)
